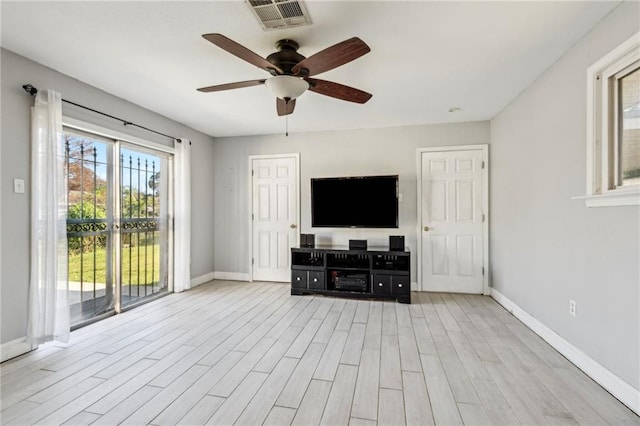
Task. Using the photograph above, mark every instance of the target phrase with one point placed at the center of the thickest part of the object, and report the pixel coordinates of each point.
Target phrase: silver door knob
(426, 228)
(293, 226)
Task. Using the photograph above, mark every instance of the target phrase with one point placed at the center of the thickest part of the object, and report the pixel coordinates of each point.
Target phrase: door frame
(252, 158)
(484, 148)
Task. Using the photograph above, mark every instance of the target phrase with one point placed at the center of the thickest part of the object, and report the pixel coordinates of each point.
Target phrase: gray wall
(17, 71)
(326, 154)
(547, 248)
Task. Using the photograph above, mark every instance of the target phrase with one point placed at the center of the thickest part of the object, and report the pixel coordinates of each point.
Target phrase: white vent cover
(277, 14)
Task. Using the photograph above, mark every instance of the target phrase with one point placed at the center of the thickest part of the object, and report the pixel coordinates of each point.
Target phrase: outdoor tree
(154, 183)
(82, 181)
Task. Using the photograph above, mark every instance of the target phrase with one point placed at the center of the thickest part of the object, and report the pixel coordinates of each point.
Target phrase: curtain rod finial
(30, 89)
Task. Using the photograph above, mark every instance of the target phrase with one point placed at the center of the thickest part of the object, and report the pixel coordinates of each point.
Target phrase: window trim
(601, 139)
(114, 135)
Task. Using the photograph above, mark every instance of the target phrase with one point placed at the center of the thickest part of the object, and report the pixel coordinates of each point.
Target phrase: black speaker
(396, 242)
(357, 244)
(307, 240)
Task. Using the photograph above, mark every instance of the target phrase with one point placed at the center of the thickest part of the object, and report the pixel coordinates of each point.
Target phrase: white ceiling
(426, 57)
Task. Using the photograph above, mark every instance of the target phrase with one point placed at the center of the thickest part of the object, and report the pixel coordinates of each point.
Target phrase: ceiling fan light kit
(291, 71)
(287, 87)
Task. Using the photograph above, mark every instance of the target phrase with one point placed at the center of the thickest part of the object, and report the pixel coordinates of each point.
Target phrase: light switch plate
(18, 186)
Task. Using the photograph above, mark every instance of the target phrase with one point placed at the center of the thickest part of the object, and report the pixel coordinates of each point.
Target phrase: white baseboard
(626, 393)
(202, 279)
(219, 275)
(14, 348)
(231, 276)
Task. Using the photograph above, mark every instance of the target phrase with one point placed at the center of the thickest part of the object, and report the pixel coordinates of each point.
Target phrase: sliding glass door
(118, 204)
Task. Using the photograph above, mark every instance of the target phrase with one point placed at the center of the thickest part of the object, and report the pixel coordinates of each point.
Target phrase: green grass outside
(129, 265)
(633, 173)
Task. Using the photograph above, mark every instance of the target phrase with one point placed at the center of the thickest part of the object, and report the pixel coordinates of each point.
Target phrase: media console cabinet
(351, 273)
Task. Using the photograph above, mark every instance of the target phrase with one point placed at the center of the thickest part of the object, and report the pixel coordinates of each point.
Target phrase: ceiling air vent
(277, 14)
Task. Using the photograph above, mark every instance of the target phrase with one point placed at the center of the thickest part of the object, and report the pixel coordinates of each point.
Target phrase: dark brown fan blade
(332, 57)
(338, 91)
(285, 107)
(230, 86)
(241, 52)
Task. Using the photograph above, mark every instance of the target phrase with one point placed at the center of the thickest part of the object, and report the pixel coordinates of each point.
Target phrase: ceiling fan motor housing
(287, 55)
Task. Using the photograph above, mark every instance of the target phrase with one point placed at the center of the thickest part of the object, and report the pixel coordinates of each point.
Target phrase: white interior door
(452, 229)
(275, 213)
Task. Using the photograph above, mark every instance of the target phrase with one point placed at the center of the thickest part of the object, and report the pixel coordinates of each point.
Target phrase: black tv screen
(355, 202)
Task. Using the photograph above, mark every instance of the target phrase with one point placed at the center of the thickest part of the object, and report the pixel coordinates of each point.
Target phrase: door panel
(439, 201)
(143, 192)
(264, 250)
(465, 254)
(283, 202)
(274, 217)
(465, 208)
(451, 223)
(90, 225)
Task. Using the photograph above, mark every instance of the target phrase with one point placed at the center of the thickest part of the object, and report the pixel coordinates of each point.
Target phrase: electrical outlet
(572, 307)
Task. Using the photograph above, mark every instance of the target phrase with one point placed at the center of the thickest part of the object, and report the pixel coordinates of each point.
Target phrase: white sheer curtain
(49, 316)
(182, 215)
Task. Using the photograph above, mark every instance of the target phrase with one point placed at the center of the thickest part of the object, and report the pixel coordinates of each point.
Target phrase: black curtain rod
(32, 91)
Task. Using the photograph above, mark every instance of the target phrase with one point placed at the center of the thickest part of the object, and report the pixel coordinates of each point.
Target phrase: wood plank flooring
(250, 354)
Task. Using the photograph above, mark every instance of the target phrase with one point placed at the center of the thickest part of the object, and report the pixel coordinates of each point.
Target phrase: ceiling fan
(291, 72)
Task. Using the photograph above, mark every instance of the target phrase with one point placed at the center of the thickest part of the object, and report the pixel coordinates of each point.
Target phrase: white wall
(16, 71)
(547, 248)
(326, 154)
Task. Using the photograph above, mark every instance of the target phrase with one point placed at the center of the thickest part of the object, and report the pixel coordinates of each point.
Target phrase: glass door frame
(118, 140)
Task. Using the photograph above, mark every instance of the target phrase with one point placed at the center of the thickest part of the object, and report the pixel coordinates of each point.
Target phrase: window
(613, 132)
(628, 126)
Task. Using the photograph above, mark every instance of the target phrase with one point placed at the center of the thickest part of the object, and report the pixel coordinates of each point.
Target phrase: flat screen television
(355, 202)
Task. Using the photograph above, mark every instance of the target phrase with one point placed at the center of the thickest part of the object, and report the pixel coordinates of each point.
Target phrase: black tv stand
(351, 273)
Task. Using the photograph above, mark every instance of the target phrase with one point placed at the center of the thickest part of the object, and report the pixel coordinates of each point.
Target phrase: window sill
(612, 199)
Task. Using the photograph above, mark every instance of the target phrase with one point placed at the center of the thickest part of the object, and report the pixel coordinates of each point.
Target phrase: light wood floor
(250, 353)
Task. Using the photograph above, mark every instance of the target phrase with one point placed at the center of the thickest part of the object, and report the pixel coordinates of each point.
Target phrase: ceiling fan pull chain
(286, 132)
